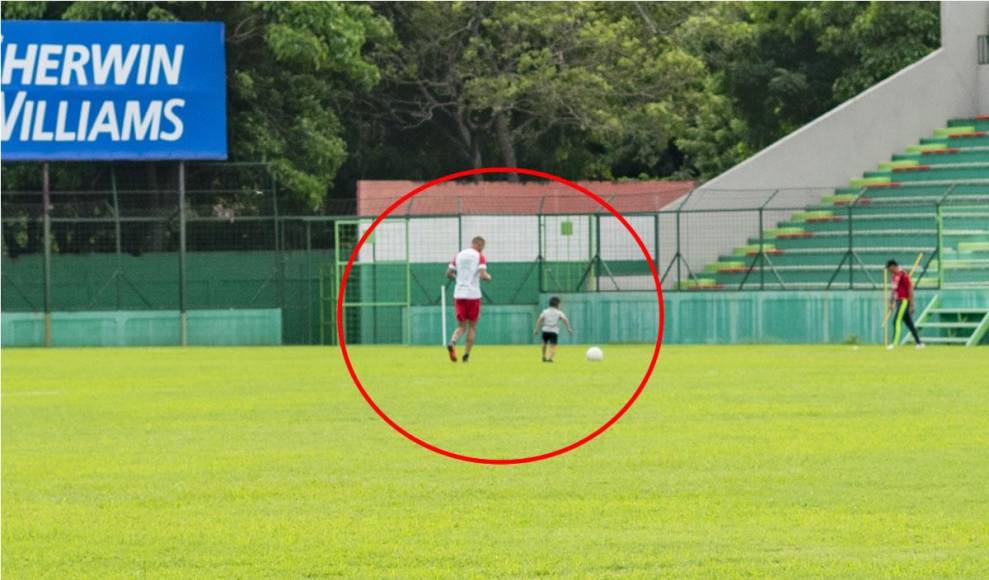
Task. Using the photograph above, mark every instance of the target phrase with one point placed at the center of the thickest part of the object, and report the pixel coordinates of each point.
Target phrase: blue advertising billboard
(113, 90)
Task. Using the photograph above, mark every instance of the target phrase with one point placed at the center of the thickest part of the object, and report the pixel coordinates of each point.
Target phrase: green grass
(737, 461)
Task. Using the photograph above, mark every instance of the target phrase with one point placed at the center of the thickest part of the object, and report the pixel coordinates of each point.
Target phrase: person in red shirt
(901, 299)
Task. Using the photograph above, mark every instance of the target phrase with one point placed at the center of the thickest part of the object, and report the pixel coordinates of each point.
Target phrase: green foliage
(294, 66)
(331, 92)
(881, 40)
(782, 64)
(580, 88)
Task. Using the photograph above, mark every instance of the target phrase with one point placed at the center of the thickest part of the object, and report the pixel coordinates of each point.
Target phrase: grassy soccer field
(255, 462)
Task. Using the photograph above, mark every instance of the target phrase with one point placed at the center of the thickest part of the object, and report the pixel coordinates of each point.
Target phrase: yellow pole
(920, 257)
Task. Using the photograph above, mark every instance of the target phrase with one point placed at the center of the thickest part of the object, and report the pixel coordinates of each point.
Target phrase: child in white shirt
(550, 320)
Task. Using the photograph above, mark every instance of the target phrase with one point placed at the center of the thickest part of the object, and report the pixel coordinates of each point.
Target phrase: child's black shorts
(550, 337)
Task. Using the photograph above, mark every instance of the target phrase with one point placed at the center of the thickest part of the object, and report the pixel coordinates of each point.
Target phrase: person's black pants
(903, 316)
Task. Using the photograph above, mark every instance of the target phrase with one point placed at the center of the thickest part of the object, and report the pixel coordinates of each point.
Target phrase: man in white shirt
(468, 268)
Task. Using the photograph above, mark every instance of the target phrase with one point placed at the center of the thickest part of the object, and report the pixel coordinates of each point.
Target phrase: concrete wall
(984, 88)
(983, 75)
(145, 328)
(860, 133)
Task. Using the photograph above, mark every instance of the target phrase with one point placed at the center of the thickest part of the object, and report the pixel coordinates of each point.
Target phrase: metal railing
(214, 243)
(841, 242)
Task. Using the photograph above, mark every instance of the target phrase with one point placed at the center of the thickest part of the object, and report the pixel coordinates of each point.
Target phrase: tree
(883, 38)
(578, 88)
(781, 64)
(330, 93)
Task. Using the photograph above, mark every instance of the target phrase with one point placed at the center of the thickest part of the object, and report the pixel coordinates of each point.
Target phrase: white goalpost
(443, 315)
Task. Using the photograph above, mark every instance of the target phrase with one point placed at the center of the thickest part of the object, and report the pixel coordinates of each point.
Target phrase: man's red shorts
(467, 309)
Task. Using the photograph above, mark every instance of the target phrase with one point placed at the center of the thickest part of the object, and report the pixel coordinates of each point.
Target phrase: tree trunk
(505, 143)
(477, 162)
(469, 143)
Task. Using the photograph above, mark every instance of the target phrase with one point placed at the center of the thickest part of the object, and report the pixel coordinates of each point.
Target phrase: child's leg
(551, 351)
(545, 344)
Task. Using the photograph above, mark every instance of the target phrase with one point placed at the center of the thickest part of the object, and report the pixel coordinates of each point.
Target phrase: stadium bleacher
(893, 213)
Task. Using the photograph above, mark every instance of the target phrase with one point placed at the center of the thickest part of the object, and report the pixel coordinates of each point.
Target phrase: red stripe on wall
(501, 197)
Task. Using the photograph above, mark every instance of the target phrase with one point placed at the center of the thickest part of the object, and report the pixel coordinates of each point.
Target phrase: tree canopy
(330, 92)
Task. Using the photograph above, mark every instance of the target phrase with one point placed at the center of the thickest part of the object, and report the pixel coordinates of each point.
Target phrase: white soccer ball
(595, 354)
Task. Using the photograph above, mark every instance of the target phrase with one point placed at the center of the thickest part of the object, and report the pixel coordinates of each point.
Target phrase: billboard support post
(47, 233)
(117, 235)
(183, 317)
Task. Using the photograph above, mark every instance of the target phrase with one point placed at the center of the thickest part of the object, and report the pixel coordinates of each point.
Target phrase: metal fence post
(309, 313)
(407, 338)
(279, 247)
(183, 316)
(939, 217)
(274, 206)
(539, 252)
(851, 253)
(655, 241)
(761, 256)
(46, 231)
(597, 252)
(117, 235)
(679, 256)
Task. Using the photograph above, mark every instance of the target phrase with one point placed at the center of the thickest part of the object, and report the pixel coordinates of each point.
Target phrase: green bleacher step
(927, 148)
(891, 165)
(813, 216)
(952, 131)
(945, 340)
(973, 247)
(716, 267)
(752, 249)
(784, 233)
(977, 139)
(945, 156)
(925, 173)
(840, 198)
(969, 191)
(699, 284)
(873, 260)
(866, 223)
(869, 181)
(980, 122)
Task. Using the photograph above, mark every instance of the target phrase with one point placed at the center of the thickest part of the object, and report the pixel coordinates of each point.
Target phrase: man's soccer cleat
(453, 352)
(921, 345)
(466, 356)
(890, 346)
